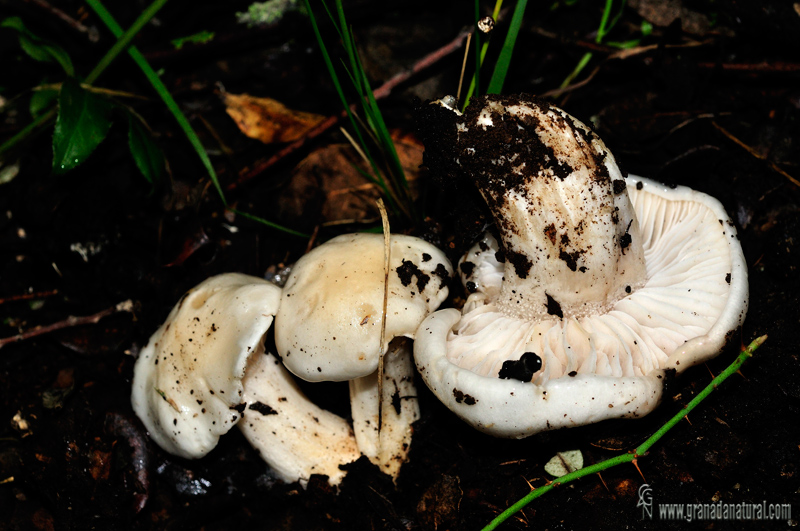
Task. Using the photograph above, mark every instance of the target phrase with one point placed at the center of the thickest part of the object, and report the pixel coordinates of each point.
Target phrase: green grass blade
(496, 13)
(399, 182)
(340, 92)
(333, 19)
(28, 130)
(162, 91)
(577, 70)
(504, 60)
(270, 224)
(602, 30)
(347, 37)
(476, 37)
(124, 38)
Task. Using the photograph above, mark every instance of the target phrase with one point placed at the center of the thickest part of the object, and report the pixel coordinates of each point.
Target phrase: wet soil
(717, 110)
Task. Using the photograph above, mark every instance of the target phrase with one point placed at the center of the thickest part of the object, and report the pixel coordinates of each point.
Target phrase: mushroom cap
(515, 409)
(329, 324)
(597, 366)
(188, 378)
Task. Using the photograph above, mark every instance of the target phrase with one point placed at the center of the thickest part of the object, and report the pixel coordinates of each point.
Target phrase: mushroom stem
(570, 239)
(383, 430)
(294, 436)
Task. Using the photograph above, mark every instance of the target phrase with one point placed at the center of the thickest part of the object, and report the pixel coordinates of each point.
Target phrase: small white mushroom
(329, 328)
(188, 379)
(589, 295)
(205, 370)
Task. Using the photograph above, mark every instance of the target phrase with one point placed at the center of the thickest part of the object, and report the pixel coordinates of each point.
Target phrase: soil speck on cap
(467, 268)
(463, 397)
(262, 408)
(407, 270)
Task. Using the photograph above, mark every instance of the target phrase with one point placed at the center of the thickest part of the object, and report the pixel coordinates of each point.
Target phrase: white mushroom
(329, 328)
(205, 370)
(590, 295)
(187, 381)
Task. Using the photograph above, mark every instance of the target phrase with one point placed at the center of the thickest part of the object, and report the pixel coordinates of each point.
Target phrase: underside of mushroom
(594, 286)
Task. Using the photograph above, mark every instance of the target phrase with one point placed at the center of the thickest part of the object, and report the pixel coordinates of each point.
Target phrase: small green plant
(639, 451)
(386, 172)
(83, 115)
(269, 12)
(504, 59)
(200, 37)
(607, 23)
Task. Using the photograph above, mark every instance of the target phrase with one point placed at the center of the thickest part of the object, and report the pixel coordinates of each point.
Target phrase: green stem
(123, 39)
(497, 6)
(270, 224)
(640, 450)
(29, 129)
(602, 31)
(476, 38)
(162, 91)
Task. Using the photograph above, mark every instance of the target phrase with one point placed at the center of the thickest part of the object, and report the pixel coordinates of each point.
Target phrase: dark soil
(717, 110)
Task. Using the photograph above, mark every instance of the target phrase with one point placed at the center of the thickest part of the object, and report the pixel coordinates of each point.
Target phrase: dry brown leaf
(326, 187)
(269, 120)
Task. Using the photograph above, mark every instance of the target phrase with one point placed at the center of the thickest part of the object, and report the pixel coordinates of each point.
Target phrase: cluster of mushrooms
(590, 286)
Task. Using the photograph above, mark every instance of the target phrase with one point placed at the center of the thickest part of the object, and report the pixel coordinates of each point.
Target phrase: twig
(28, 296)
(91, 32)
(381, 92)
(779, 67)
(125, 306)
(639, 451)
(754, 153)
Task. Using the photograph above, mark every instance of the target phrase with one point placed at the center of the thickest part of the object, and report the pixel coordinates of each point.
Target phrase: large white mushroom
(330, 327)
(598, 284)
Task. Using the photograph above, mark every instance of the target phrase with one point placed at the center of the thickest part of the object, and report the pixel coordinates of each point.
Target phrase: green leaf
(198, 38)
(42, 100)
(39, 49)
(147, 155)
(564, 462)
(83, 122)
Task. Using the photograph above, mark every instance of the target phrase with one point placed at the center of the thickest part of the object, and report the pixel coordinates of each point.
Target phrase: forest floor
(710, 100)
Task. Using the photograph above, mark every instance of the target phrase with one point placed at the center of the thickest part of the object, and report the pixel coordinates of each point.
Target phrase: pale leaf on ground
(269, 120)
